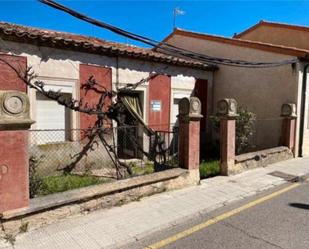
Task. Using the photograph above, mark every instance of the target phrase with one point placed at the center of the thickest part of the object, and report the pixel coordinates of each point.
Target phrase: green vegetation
(245, 128)
(61, 183)
(148, 168)
(209, 168)
(24, 227)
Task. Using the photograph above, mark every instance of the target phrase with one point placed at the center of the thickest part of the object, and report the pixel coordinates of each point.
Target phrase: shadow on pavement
(299, 205)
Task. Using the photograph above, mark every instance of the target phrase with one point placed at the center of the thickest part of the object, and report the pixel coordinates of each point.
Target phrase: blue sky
(154, 18)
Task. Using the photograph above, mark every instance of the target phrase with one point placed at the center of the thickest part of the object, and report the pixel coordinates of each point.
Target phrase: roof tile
(88, 44)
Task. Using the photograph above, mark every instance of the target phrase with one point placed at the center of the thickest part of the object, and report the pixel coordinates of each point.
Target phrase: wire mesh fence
(252, 133)
(51, 151)
(266, 133)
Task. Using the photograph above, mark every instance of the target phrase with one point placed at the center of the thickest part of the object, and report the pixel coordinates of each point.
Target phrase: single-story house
(65, 61)
(260, 90)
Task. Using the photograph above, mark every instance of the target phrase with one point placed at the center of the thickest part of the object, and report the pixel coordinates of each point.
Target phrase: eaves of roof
(68, 41)
(272, 24)
(299, 53)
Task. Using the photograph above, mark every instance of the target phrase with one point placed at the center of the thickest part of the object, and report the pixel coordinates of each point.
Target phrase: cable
(168, 48)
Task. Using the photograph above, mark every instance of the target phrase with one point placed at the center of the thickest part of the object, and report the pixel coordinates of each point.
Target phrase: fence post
(189, 134)
(227, 111)
(288, 112)
(14, 159)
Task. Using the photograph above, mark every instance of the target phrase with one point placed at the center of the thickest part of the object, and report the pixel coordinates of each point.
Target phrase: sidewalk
(121, 225)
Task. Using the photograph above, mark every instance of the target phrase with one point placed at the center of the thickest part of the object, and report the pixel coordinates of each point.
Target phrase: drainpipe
(302, 111)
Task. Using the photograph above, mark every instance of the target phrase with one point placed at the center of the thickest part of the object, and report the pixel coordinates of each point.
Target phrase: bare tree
(105, 111)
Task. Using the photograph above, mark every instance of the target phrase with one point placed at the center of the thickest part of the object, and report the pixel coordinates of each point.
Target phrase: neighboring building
(262, 90)
(277, 33)
(65, 61)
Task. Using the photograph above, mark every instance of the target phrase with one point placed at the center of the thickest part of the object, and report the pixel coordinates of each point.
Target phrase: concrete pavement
(116, 227)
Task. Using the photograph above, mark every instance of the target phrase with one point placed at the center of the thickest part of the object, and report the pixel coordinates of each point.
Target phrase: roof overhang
(272, 24)
(299, 53)
(73, 42)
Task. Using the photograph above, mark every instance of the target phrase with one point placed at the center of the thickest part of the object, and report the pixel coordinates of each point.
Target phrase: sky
(154, 19)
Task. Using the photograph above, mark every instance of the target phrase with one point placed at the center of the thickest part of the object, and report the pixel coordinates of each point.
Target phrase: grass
(61, 183)
(148, 168)
(209, 168)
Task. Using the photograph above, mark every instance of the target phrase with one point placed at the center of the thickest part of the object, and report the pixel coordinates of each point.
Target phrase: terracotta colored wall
(14, 170)
(189, 144)
(8, 77)
(14, 185)
(160, 89)
(103, 76)
(200, 91)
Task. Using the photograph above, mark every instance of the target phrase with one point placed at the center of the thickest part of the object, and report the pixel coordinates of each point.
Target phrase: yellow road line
(221, 217)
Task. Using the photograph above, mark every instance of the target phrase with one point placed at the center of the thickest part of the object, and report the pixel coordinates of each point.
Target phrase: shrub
(244, 129)
(209, 168)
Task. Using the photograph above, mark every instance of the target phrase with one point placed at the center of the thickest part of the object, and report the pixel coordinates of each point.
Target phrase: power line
(168, 48)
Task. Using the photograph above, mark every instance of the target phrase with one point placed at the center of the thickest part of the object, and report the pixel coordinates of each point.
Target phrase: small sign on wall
(156, 105)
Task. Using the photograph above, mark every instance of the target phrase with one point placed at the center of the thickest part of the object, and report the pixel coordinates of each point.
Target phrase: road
(275, 219)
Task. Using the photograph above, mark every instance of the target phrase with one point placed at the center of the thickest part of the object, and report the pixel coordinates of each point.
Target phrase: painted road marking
(221, 217)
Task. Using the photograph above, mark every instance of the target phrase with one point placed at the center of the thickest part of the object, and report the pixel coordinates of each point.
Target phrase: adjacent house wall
(261, 91)
(279, 36)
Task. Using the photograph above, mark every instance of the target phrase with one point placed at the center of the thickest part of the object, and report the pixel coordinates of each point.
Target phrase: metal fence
(254, 135)
(266, 133)
(51, 151)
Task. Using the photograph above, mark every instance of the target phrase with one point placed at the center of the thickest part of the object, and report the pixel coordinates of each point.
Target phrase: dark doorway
(200, 91)
(130, 137)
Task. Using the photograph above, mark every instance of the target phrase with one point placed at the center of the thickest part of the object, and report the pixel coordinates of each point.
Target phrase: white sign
(156, 105)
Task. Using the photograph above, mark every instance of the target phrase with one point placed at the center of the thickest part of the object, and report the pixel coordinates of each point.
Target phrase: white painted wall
(61, 67)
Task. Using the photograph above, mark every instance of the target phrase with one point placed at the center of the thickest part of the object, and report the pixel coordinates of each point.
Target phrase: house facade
(66, 61)
(259, 90)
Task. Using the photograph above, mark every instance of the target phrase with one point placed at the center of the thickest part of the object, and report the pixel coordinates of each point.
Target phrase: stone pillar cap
(190, 108)
(288, 110)
(14, 111)
(227, 108)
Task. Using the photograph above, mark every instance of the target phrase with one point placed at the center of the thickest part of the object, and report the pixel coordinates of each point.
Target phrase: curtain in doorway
(132, 104)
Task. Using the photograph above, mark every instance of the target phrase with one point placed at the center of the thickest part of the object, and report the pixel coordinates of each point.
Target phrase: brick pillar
(189, 133)
(288, 112)
(14, 159)
(227, 111)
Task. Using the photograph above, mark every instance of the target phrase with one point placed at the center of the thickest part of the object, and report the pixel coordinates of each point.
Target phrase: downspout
(302, 111)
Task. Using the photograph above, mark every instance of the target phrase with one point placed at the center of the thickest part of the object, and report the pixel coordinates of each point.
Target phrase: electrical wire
(168, 48)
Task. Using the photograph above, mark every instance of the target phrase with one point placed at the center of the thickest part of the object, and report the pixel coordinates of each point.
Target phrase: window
(52, 116)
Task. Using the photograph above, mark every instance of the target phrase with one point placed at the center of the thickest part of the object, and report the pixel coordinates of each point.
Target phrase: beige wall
(62, 67)
(280, 36)
(261, 91)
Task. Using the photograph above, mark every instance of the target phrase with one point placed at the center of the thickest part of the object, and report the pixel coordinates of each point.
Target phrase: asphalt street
(282, 221)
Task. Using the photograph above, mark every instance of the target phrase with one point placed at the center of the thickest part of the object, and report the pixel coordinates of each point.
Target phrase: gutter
(302, 111)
